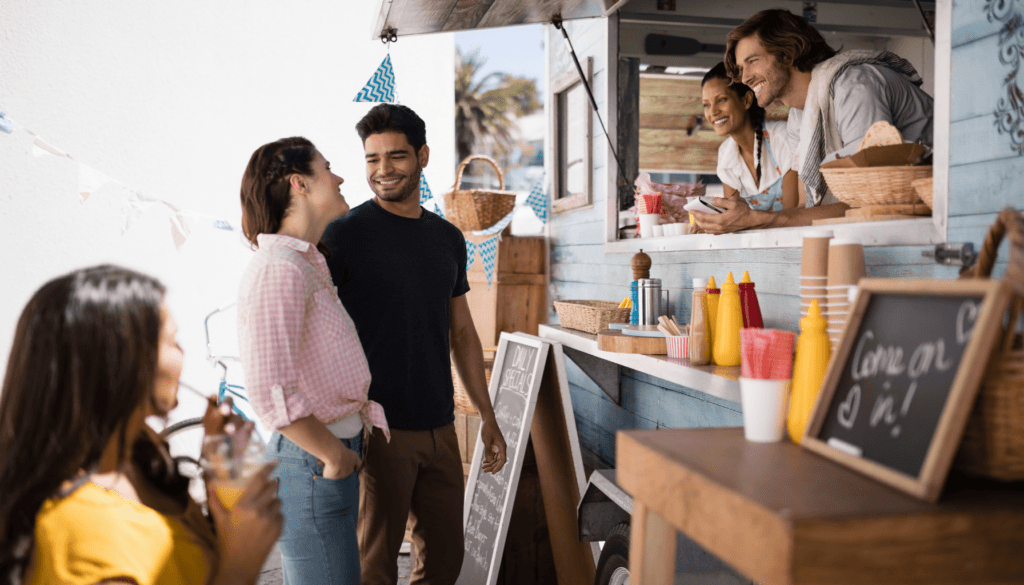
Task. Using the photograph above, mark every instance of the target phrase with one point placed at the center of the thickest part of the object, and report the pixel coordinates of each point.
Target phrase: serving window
(673, 140)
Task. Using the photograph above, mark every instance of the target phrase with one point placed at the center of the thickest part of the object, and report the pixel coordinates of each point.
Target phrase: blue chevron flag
(424, 189)
(380, 87)
(488, 252)
(538, 200)
(470, 254)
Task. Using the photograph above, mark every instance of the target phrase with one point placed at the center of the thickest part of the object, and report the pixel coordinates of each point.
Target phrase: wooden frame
(559, 88)
(994, 298)
(538, 408)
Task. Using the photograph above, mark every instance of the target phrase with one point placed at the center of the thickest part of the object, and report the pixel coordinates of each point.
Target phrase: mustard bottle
(812, 353)
(714, 295)
(699, 348)
(728, 322)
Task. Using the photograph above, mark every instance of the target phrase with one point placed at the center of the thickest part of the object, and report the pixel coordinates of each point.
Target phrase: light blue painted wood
(978, 140)
(986, 187)
(976, 79)
(970, 22)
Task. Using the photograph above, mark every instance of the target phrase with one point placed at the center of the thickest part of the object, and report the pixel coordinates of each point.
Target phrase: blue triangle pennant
(470, 254)
(437, 209)
(488, 252)
(424, 189)
(380, 87)
(538, 200)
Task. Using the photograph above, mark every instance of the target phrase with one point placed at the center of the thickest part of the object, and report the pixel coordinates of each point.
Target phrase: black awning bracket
(389, 35)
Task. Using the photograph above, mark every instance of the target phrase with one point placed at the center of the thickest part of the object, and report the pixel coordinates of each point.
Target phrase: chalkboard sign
(897, 393)
(515, 383)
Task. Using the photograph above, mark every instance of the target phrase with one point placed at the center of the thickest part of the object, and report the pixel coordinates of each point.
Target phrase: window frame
(923, 231)
(559, 87)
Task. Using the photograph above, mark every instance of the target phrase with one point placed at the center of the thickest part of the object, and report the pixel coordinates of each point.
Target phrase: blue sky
(518, 50)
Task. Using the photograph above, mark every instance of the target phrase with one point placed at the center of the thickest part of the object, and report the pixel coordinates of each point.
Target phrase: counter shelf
(718, 381)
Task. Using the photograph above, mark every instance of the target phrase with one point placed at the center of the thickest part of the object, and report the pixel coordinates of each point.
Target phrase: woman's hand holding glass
(242, 496)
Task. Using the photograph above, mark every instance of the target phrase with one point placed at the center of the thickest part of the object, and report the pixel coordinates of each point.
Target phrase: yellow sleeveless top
(96, 534)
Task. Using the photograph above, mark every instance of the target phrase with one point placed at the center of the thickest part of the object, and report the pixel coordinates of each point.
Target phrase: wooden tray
(611, 340)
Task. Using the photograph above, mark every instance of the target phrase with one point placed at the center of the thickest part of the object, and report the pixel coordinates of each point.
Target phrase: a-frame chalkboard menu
(530, 394)
(902, 382)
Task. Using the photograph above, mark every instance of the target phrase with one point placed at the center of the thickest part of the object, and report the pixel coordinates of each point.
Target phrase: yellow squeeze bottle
(728, 322)
(714, 295)
(812, 353)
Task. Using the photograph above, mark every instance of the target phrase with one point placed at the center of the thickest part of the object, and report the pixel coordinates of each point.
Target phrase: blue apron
(770, 198)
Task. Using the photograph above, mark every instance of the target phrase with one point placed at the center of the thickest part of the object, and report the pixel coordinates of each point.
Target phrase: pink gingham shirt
(298, 344)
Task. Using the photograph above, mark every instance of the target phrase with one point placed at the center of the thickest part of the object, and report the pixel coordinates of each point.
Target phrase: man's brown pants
(417, 476)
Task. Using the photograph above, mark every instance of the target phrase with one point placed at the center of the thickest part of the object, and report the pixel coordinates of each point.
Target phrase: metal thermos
(649, 298)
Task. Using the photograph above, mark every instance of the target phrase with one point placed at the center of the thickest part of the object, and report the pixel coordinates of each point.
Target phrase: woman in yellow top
(88, 493)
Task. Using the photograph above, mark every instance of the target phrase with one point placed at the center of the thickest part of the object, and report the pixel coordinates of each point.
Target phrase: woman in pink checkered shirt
(306, 374)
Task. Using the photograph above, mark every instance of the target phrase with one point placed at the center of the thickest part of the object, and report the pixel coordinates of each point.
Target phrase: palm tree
(484, 108)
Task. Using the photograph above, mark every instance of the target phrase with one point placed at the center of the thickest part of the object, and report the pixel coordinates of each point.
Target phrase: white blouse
(732, 171)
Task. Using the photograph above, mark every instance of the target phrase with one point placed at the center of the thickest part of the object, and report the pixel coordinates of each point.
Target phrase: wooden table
(780, 514)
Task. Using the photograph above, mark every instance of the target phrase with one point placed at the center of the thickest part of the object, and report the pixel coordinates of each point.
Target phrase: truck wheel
(613, 565)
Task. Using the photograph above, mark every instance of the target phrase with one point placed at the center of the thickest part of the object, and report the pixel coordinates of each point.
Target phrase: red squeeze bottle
(748, 303)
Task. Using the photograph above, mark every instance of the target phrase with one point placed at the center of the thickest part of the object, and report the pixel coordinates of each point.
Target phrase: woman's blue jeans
(318, 543)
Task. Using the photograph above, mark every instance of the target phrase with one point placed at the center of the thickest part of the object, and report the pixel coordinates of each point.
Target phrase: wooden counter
(780, 514)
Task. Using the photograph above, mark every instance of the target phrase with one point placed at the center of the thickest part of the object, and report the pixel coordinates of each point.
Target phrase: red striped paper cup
(678, 346)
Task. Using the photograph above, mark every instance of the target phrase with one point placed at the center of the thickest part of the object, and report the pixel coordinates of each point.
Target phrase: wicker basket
(590, 316)
(462, 401)
(858, 187)
(993, 441)
(923, 188)
(478, 209)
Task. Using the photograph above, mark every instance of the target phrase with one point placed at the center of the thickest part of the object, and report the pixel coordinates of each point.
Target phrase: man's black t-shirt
(396, 277)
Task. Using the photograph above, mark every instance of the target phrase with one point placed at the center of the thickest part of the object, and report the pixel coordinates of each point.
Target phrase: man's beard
(399, 196)
(776, 81)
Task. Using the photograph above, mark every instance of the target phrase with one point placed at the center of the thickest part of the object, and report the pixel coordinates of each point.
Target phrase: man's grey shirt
(865, 94)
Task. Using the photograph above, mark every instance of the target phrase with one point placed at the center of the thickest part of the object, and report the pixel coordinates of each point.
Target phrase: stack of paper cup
(814, 268)
(845, 268)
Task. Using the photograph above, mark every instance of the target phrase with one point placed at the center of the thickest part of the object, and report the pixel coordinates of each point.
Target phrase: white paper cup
(658, 231)
(765, 403)
(647, 223)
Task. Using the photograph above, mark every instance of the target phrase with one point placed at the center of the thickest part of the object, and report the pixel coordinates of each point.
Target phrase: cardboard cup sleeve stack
(814, 269)
(845, 269)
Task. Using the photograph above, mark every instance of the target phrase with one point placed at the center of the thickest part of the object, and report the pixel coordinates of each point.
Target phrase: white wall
(170, 99)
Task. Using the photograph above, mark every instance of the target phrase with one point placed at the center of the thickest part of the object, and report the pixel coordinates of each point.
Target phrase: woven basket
(993, 441)
(923, 188)
(590, 316)
(477, 209)
(858, 187)
(462, 401)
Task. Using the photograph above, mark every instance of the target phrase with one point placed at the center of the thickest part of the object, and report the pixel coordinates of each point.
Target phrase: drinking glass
(230, 460)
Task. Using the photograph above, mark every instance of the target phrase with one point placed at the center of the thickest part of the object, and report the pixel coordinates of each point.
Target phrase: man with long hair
(833, 99)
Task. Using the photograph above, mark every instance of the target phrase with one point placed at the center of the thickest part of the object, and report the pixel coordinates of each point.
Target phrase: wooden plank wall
(985, 176)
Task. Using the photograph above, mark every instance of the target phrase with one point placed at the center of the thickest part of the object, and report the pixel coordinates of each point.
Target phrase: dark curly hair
(393, 118)
(787, 37)
(755, 113)
(83, 361)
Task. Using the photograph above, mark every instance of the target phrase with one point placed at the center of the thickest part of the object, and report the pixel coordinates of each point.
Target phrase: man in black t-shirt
(401, 274)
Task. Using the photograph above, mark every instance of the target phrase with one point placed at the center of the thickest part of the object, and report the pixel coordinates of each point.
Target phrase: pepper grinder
(641, 264)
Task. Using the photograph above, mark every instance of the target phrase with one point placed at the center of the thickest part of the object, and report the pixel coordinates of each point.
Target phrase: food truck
(623, 83)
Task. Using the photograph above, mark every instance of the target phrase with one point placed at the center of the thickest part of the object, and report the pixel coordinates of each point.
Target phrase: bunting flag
(7, 125)
(424, 190)
(380, 87)
(488, 252)
(437, 209)
(181, 223)
(470, 254)
(538, 200)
